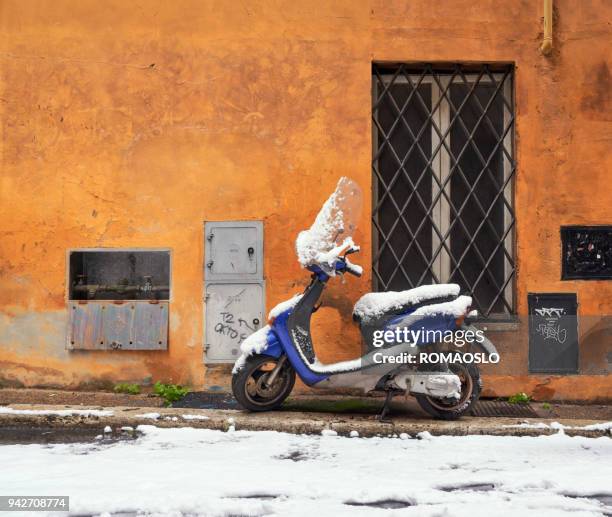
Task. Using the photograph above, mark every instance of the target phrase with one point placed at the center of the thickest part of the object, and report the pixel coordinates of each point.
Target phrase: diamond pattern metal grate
(443, 168)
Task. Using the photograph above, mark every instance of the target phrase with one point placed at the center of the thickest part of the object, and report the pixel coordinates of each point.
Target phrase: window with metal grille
(443, 167)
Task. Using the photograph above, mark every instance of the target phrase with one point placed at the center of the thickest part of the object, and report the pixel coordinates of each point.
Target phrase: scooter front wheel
(452, 409)
(251, 387)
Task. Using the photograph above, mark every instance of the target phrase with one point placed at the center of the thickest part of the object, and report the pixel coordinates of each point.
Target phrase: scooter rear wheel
(451, 409)
(251, 390)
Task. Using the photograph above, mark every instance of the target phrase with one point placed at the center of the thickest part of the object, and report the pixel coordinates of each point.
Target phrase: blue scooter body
(279, 340)
(387, 365)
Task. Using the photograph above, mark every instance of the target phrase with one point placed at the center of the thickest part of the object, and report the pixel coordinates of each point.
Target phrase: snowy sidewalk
(64, 418)
(179, 472)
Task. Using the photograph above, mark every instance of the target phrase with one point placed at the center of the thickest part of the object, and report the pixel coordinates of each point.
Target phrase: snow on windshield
(332, 231)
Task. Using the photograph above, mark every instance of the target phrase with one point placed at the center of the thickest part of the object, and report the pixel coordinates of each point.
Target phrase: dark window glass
(476, 189)
(119, 275)
(405, 150)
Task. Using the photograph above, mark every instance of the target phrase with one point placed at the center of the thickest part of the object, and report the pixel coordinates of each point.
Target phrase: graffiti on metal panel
(551, 329)
(234, 328)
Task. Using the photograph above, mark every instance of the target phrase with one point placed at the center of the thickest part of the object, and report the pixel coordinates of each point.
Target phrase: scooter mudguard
(273, 347)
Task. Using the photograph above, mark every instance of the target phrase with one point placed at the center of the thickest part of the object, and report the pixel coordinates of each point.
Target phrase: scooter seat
(374, 305)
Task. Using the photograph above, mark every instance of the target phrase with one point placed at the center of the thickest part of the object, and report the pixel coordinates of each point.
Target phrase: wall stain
(598, 96)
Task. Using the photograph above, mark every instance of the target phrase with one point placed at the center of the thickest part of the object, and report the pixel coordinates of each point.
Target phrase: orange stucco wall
(129, 124)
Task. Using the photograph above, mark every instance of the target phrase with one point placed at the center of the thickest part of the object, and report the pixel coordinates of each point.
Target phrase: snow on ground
(601, 426)
(152, 416)
(204, 472)
(60, 412)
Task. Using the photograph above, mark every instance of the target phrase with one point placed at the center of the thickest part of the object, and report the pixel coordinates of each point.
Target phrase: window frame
(439, 80)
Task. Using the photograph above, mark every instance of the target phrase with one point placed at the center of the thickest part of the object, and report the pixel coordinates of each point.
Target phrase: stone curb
(289, 422)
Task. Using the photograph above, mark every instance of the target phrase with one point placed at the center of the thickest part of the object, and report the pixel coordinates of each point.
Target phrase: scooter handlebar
(352, 249)
(353, 269)
(346, 265)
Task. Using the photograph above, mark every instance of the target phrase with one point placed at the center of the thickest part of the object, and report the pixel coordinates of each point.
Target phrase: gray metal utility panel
(233, 312)
(234, 291)
(117, 325)
(118, 298)
(553, 333)
(234, 251)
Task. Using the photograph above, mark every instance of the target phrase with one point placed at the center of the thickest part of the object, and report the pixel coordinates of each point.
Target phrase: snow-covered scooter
(405, 333)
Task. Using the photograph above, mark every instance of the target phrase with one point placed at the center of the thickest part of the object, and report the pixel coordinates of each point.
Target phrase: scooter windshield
(332, 231)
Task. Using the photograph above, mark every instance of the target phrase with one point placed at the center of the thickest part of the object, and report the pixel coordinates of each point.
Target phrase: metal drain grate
(488, 408)
(207, 400)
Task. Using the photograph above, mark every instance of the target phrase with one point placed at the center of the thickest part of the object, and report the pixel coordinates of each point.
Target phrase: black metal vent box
(587, 252)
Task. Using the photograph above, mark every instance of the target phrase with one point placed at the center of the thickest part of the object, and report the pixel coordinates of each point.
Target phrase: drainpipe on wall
(547, 44)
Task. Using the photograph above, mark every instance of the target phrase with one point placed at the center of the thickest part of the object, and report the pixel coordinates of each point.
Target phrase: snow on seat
(374, 305)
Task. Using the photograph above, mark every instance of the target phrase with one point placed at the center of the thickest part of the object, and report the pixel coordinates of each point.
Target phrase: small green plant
(124, 387)
(519, 398)
(546, 405)
(169, 392)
